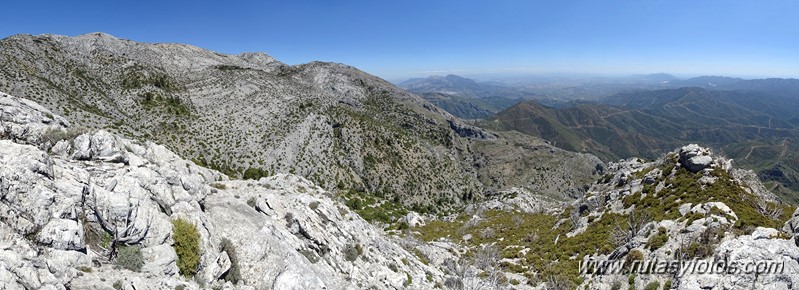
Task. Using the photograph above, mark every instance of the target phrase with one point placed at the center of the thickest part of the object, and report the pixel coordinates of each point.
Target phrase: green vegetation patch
(130, 257)
(187, 246)
(685, 187)
(658, 240)
(536, 232)
(169, 104)
(374, 209)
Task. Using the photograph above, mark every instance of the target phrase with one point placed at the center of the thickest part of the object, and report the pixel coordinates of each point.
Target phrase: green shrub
(130, 257)
(632, 256)
(658, 240)
(187, 246)
(255, 173)
(654, 285)
(52, 136)
(616, 286)
(234, 273)
(699, 250)
(667, 285)
(354, 204)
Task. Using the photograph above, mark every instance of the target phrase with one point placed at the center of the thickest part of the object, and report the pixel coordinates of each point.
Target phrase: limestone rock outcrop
(67, 203)
(695, 158)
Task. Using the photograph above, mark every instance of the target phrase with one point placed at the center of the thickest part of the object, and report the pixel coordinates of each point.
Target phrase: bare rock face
(413, 219)
(695, 158)
(61, 216)
(792, 226)
(62, 234)
(464, 130)
(99, 146)
(760, 246)
(25, 121)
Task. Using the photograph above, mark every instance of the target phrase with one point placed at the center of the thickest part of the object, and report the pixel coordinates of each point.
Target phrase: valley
(736, 117)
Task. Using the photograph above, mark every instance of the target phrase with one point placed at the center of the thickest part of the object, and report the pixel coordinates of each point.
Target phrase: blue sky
(399, 39)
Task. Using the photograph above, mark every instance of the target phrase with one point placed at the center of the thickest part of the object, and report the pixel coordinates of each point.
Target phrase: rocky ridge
(689, 204)
(693, 218)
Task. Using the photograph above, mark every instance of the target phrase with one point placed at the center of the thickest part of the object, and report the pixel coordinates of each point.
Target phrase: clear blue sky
(398, 39)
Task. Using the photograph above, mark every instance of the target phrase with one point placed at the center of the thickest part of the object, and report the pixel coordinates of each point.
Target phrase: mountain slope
(249, 115)
(469, 108)
(73, 204)
(466, 98)
(753, 127)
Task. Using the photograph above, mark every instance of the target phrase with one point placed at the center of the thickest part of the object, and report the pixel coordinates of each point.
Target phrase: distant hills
(755, 124)
(463, 87)
(466, 98)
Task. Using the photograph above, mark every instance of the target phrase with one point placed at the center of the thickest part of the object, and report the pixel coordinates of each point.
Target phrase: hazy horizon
(575, 76)
(420, 38)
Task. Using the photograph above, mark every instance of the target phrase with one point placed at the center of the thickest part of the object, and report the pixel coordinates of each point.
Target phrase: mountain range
(470, 99)
(250, 116)
(751, 120)
(755, 127)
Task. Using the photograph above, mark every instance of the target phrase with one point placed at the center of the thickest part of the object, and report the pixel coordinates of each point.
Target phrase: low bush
(234, 273)
(616, 286)
(187, 246)
(351, 253)
(632, 257)
(130, 257)
(654, 285)
(658, 240)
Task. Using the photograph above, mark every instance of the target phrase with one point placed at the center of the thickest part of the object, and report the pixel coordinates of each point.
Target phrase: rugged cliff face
(250, 116)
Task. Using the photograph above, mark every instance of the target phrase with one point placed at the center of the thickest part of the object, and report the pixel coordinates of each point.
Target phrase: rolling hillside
(756, 128)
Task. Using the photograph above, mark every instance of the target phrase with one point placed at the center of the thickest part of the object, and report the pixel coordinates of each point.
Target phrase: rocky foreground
(69, 202)
(689, 205)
